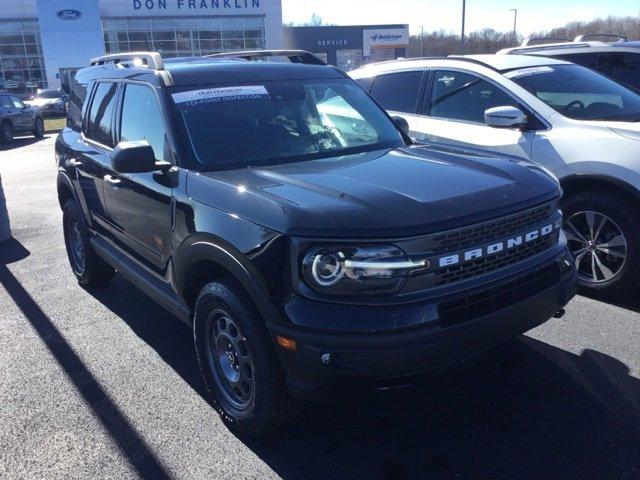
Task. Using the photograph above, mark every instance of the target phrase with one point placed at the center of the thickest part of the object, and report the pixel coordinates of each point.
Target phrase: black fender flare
(569, 181)
(208, 247)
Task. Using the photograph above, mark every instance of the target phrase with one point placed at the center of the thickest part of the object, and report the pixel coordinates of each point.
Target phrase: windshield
(282, 121)
(49, 94)
(579, 93)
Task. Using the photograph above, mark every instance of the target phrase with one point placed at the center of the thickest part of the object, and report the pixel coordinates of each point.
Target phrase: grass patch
(52, 125)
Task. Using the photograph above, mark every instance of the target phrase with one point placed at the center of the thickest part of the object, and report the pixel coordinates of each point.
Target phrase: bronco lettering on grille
(497, 247)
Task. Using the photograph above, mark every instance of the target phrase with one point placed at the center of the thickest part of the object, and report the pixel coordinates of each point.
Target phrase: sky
(533, 15)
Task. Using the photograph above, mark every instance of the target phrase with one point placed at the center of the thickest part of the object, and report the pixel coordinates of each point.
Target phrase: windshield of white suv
(282, 121)
(48, 94)
(579, 93)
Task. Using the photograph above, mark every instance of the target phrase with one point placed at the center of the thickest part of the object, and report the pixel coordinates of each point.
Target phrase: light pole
(464, 6)
(5, 231)
(515, 24)
(421, 40)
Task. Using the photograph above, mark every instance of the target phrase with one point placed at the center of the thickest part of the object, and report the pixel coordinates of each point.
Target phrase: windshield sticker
(527, 72)
(224, 94)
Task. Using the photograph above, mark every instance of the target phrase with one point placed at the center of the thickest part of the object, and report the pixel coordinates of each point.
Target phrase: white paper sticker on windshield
(525, 72)
(224, 94)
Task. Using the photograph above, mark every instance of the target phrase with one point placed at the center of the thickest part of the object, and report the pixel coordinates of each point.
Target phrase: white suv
(578, 124)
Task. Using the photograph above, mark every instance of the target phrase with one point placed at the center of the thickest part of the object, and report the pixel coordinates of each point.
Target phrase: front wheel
(603, 233)
(237, 361)
(38, 129)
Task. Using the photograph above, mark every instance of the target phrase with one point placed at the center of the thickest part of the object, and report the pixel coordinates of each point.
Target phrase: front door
(139, 204)
(455, 116)
(23, 118)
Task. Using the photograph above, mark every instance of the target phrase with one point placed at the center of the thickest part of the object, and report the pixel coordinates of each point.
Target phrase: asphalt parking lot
(104, 384)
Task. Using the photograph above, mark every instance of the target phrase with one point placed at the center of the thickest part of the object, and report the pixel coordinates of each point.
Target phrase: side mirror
(401, 123)
(134, 157)
(505, 117)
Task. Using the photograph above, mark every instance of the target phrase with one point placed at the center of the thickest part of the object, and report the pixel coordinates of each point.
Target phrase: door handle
(75, 163)
(111, 180)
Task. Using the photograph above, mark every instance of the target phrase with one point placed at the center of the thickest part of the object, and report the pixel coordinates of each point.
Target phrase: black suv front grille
(491, 300)
(477, 234)
(456, 273)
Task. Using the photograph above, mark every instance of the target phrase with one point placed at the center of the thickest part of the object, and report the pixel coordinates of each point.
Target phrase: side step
(141, 278)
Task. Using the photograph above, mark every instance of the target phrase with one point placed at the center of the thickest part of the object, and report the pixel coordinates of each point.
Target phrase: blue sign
(69, 14)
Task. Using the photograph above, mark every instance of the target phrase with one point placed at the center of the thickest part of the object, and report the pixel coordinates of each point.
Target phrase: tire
(87, 266)
(263, 404)
(6, 133)
(615, 272)
(38, 130)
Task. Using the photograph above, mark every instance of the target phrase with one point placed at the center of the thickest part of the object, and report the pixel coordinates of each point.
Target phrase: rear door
(93, 153)
(139, 204)
(454, 115)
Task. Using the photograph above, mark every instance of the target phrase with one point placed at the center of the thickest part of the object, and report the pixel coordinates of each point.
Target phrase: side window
(5, 102)
(365, 83)
(142, 119)
(589, 60)
(17, 103)
(465, 97)
(398, 92)
(101, 113)
(624, 68)
(76, 101)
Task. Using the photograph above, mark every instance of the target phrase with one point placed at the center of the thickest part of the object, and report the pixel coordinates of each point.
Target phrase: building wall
(68, 42)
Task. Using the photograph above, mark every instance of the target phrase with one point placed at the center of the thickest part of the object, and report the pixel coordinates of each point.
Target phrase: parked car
(16, 118)
(619, 59)
(574, 122)
(50, 101)
(304, 249)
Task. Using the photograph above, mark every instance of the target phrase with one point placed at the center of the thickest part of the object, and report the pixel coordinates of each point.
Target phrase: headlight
(351, 270)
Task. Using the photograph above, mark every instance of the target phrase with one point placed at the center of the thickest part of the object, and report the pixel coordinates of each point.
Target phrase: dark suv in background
(16, 118)
(281, 214)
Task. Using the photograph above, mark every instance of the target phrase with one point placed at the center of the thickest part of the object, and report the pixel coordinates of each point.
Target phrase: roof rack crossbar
(528, 42)
(294, 56)
(582, 38)
(148, 59)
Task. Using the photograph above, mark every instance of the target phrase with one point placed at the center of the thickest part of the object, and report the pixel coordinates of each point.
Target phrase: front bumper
(461, 326)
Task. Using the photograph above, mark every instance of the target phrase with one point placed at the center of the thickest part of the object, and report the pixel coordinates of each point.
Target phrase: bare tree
(5, 231)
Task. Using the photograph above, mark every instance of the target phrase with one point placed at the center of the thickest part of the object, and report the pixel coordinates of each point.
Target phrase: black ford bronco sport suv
(276, 209)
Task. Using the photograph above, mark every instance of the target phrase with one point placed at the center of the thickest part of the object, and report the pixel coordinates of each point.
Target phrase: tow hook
(559, 314)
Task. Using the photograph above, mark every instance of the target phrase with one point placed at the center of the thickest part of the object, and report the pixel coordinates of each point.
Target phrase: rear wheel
(38, 129)
(603, 233)
(6, 133)
(85, 263)
(237, 361)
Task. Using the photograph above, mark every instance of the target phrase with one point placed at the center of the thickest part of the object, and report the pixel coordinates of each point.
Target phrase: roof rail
(294, 56)
(583, 38)
(148, 59)
(529, 42)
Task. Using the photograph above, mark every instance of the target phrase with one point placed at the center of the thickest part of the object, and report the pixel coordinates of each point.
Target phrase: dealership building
(348, 47)
(43, 41)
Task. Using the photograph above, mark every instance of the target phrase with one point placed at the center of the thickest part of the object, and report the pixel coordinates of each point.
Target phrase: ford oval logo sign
(69, 14)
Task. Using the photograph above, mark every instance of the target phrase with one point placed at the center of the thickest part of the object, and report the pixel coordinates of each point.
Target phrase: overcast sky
(533, 15)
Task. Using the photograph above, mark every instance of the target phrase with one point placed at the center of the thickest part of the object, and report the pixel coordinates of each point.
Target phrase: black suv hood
(401, 192)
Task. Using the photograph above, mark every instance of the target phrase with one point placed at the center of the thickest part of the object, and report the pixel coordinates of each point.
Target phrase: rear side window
(624, 68)
(142, 119)
(398, 92)
(589, 60)
(76, 101)
(101, 113)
